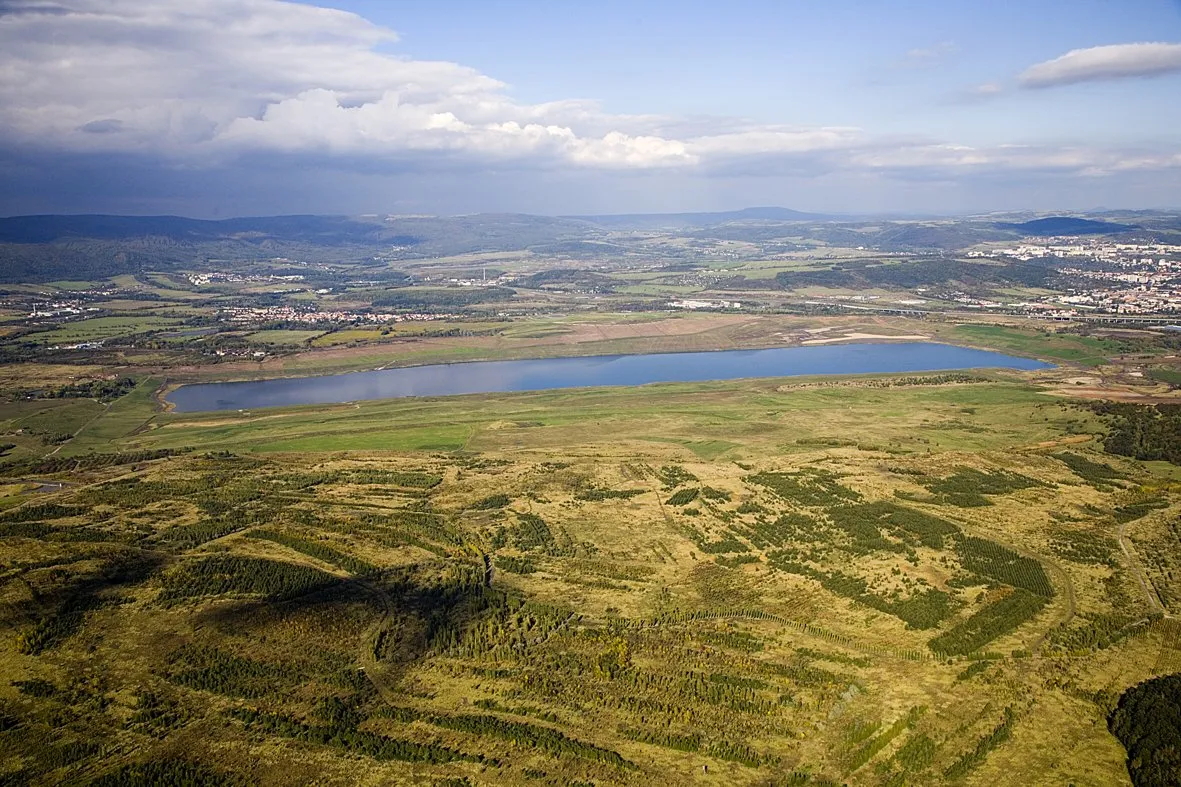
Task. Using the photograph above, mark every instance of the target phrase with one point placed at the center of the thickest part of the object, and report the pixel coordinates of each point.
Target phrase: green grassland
(119, 419)
(100, 328)
(36, 427)
(909, 579)
(1170, 376)
(1084, 350)
(348, 336)
(72, 285)
(283, 337)
(766, 415)
(131, 305)
(408, 329)
(657, 288)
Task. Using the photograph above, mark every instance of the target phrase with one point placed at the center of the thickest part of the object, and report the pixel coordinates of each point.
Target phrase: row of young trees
(316, 549)
(995, 620)
(208, 668)
(1096, 473)
(863, 754)
(975, 756)
(169, 772)
(994, 561)
(919, 611)
(811, 487)
(221, 574)
(967, 487)
(347, 737)
(65, 464)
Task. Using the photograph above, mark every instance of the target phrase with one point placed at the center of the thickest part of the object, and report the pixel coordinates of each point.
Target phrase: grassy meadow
(904, 579)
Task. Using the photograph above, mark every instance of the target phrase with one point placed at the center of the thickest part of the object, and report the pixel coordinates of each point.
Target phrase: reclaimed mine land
(966, 576)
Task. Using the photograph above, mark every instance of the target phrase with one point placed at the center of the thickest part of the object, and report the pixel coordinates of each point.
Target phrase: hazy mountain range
(49, 247)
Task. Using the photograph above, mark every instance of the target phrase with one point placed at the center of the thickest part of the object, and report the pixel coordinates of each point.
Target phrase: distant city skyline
(217, 108)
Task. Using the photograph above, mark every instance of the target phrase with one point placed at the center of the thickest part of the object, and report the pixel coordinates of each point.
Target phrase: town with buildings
(1089, 278)
(292, 314)
(223, 277)
(1103, 276)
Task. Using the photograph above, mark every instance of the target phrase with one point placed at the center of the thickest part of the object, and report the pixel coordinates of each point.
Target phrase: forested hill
(85, 247)
(1067, 225)
(482, 229)
(319, 229)
(45, 248)
(684, 220)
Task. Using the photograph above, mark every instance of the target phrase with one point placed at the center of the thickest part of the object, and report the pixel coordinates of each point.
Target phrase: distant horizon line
(817, 215)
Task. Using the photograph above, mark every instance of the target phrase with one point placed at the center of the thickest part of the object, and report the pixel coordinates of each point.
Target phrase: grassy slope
(1072, 349)
(841, 689)
(761, 414)
(638, 557)
(99, 328)
(117, 421)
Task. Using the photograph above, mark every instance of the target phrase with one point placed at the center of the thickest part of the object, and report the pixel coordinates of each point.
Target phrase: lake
(537, 375)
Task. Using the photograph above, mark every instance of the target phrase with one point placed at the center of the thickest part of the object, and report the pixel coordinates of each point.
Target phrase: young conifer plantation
(789, 609)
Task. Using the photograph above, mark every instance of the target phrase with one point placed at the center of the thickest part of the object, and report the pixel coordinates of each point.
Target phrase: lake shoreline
(568, 372)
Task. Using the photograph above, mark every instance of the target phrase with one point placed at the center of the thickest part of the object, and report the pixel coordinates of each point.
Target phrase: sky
(219, 108)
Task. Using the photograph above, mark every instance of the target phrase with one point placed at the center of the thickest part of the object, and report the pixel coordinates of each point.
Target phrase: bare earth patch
(853, 337)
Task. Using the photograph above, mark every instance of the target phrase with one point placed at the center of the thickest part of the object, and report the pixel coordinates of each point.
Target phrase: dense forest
(934, 270)
(1146, 432)
(1148, 723)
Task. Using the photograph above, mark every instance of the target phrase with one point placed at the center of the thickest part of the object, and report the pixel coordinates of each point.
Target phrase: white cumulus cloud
(203, 83)
(1099, 63)
(194, 78)
(928, 56)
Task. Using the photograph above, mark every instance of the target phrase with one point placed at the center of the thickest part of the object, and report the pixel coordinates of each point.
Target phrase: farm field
(906, 579)
(101, 328)
(284, 337)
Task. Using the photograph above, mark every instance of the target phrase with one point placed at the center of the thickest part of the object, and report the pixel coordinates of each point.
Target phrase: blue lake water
(536, 375)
